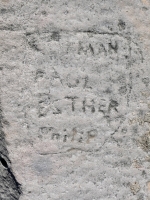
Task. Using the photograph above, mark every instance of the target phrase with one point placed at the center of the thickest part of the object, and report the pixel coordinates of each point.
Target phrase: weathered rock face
(9, 187)
(75, 110)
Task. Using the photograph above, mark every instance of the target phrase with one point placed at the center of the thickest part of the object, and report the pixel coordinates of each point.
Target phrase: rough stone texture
(75, 99)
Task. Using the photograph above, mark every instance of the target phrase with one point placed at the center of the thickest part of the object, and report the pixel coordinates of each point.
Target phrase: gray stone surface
(75, 99)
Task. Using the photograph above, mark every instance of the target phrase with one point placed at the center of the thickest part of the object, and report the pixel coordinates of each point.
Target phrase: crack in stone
(75, 149)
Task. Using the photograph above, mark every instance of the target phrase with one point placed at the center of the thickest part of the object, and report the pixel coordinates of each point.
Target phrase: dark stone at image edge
(10, 189)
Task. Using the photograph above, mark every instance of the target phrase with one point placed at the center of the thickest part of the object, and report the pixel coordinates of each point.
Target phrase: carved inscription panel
(81, 87)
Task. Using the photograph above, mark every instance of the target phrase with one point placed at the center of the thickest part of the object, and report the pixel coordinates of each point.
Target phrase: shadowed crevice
(9, 186)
